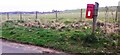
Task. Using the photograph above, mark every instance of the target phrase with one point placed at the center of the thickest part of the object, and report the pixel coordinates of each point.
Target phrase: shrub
(91, 38)
(12, 32)
(20, 21)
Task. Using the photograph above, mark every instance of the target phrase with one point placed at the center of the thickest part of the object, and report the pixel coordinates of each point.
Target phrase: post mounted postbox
(90, 11)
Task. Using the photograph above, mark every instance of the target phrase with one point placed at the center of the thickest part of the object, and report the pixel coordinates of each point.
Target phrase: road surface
(11, 47)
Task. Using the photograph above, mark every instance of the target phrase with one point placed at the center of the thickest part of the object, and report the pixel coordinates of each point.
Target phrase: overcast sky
(48, 5)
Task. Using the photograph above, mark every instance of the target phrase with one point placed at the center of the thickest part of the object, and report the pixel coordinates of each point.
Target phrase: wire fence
(112, 16)
(108, 18)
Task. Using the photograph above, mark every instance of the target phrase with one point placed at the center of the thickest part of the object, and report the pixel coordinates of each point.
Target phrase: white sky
(48, 5)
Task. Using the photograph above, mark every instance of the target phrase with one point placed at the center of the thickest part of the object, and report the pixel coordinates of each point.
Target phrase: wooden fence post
(20, 15)
(56, 15)
(106, 16)
(95, 16)
(116, 16)
(8, 16)
(81, 14)
(118, 13)
(36, 15)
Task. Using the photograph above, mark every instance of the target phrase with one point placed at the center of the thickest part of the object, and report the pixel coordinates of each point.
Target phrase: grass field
(71, 40)
(61, 16)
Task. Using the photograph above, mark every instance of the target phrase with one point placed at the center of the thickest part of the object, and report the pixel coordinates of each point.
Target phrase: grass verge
(74, 41)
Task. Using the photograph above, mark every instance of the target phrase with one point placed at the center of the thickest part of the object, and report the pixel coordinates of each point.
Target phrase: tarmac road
(11, 47)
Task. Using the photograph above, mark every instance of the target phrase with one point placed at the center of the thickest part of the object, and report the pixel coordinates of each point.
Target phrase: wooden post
(81, 15)
(106, 16)
(20, 15)
(116, 17)
(118, 12)
(56, 15)
(36, 16)
(94, 23)
(95, 16)
(8, 16)
(112, 16)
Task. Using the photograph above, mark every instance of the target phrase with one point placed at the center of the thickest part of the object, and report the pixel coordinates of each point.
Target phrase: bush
(77, 35)
(21, 21)
(90, 39)
(12, 32)
(9, 21)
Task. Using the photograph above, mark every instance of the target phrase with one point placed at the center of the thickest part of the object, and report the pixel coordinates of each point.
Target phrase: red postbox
(90, 11)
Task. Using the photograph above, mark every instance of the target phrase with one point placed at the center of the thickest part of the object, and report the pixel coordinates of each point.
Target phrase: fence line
(80, 15)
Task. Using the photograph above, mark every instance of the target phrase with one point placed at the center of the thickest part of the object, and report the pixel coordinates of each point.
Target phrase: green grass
(62, 16)
(74, 41)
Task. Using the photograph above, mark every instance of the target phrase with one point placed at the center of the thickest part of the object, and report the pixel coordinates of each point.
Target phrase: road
(11, 47)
